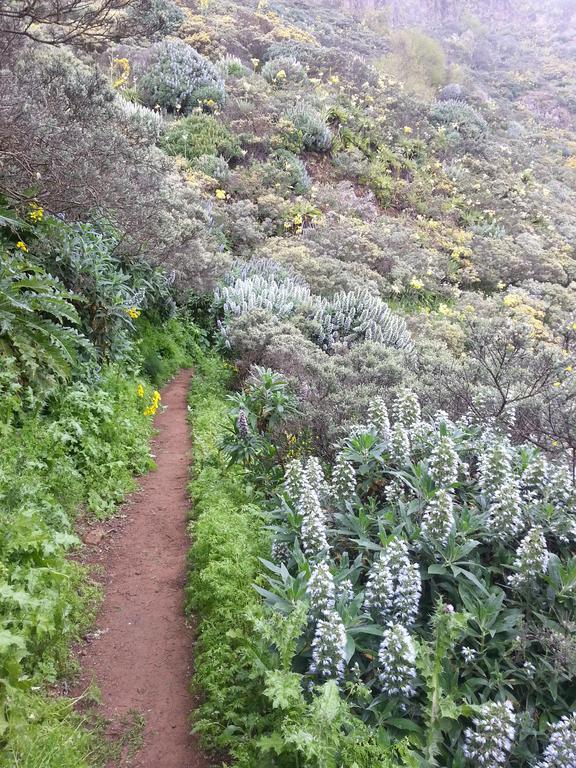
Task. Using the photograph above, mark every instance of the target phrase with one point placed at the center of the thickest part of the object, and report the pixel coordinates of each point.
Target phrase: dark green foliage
(198, 135)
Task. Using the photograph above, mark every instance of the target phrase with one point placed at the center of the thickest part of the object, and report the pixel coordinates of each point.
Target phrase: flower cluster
(406, 409)
(490, 742)
(293, 479)
(378, 417)
(560, 751)
(242, 425)
(343, 480)
(531, 559)
(329, 647)
(506, 517)
(444, 462)
(316, 479)
(400, 444)
(495, 464)
(438, 519)
(154, 405)
(397, 662)
(394, 586)
(36, 213)
(321, 590)
(313, 529)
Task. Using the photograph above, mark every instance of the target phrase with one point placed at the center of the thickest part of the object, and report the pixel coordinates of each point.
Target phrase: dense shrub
(417, 59)
(178, 78)
(464, 127)
(163, 16)
(199, 135)
(314, 133)
(140, 119)
(284, 72)
(213, 165)
(352, 317)
(231, 66)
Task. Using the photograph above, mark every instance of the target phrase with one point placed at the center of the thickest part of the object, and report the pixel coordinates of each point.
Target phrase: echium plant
(406, 408)
(495, 464)
(321, 590)
(531, 560)
(400, 444)
(343, 480)
(378, 417)
(293, 479)
(394, 586)
(313, 530)
(438, 518)
(329, 647)
(506, 515)
(444, 462)
(397, 662)
(534, 477)
(316, 479)
(490, 741)
(560, 751)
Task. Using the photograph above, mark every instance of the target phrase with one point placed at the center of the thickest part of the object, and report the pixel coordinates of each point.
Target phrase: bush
(352, 317)
(197, 135)
(291, 173)
(162, 16)
(141, 120)
(464, 127)
(214, 166)
(311, 126)
(284, 72)
(418, 60)
(231, 66)
(178, 79)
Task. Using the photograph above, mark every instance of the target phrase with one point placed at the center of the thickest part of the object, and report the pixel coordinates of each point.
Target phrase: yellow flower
(557, 384)
(280, 75)
(500, 286)
(37, 213)
(22, 246)
(569, 369)
(416, 284)
(407, 129)
(574, 326)
(220, 194)
(335, 79)
(554, 443)
(140, 390)
(133, 312)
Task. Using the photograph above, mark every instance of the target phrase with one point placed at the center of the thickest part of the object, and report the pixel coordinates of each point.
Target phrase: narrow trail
(140, 653)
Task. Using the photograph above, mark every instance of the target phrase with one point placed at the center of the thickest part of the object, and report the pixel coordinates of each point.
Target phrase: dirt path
(140, 653)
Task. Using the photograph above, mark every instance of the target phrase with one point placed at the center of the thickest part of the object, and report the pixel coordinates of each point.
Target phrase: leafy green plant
(37, 319)
(198, 135)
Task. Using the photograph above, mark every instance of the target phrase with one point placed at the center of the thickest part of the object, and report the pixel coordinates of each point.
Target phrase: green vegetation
(364, 205)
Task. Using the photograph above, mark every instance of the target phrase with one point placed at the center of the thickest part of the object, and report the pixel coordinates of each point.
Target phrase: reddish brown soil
(140, 654)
